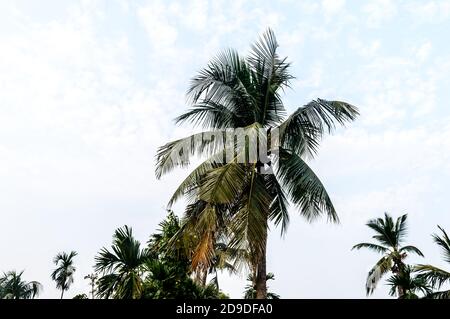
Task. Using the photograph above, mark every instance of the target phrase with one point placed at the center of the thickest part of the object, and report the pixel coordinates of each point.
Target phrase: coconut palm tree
(63, 274)
(438, 276)
(241, 194)
(389, 236)
(13, 287)
(409, 284)
(121, 268)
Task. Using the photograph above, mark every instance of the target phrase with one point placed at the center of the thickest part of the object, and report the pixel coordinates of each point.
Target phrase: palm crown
(63, 274)
(438, 276)
(408, 284)
(235, 92)
(121, 267)
(390, 236)
(12, 286)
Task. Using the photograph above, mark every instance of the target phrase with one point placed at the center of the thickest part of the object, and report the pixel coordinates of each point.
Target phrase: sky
(89, 90)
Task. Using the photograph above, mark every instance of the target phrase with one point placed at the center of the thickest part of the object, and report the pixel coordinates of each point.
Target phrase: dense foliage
(157, 271)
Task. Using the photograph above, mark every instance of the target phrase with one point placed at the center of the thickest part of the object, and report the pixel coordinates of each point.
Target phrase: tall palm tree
(389, 236)
(438, 276)
(13, 287)
(121, 268)
(63, 274)
(242, 195)
(408, 283)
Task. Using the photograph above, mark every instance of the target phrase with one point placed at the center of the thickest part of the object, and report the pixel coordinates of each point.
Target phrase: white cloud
(313, 77)
(159, 27)
(377, 12)
(423, 52)
(364, 49)
(196, 15)
(429, 11)
(395, 89)
(332, 7)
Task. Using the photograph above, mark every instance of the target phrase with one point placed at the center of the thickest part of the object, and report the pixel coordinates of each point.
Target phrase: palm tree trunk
(62, 293)
(204, 275)
(261, 270)
(400, 266)
(217, 278)
(401, 292)
(261, 280)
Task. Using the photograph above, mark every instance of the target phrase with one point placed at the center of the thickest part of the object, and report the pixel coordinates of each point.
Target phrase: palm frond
(269, 74)
(279, 206)
(304, 187)
(223, 184)
(248, 227)
(107, 284)
(444, 243)
(193, 180)
(205, 227)
(178, 153)
(436, 276)
(382, 267)
(211, 115)
(226, 87)
(302, 131)
(401, 228)
(411, 249)
(384, 229)
(439, 295)
(374, 247)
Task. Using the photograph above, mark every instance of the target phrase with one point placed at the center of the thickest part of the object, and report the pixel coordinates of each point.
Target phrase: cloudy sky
(88, 91)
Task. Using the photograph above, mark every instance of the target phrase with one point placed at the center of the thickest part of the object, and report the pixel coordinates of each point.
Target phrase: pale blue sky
(88, 90)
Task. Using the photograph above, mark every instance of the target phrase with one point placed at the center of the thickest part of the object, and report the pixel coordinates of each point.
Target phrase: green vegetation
(12, 286)
(436, 276)
(121, 267)
(250, 289)
(406, 281)
(63, 274)
(157, 271)
(389, 236)
(406, 285)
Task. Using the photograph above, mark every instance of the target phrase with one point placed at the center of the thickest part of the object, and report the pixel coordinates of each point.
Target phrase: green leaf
(304, 187)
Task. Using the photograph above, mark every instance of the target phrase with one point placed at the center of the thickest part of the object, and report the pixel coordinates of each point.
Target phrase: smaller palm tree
(390, 236)
(250, 289)
(226, 258)
(63, 274)
(408, 283)
(436, 275)
(13, 287)
(121, 268)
